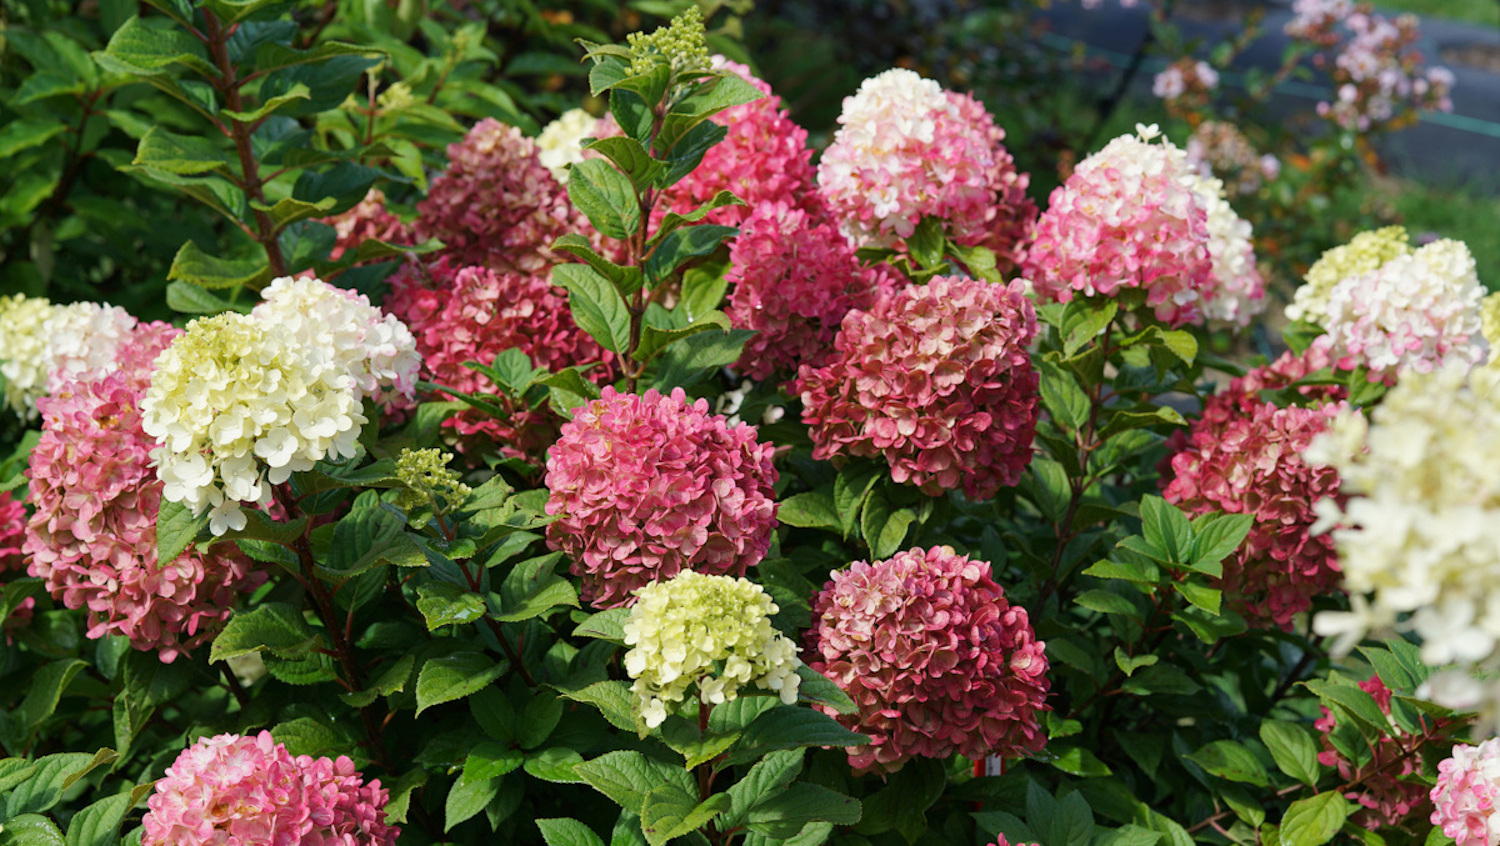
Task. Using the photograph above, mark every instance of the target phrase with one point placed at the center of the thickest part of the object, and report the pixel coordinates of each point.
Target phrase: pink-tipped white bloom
(1466, 798)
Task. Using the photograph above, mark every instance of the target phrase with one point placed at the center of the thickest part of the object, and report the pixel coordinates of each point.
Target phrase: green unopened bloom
(682, 45)
(426, 475)
(711, 631)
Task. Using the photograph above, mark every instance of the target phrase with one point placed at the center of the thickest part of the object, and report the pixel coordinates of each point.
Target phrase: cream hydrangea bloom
(712, 631)
(1489, 320)
(83, 338)
(1239, 292)
(1365, 253)
(375, 348)
(560, 144)
(235, 403)
(1420, 533)
(23, 347)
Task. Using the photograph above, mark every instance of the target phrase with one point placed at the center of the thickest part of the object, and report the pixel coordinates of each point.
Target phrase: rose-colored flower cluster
(1385, 798)
(648, 486)
(230, 789)
(369, 218)
(907, 149)
(937, 380)
(92, 537)
(459, 313)
(1413, 312)
(1128, 217)
(1466, 798)
(794, 278)
(1244, 457)
(497, 205)
(12, 532)
(936, 658)
(1379, 75)
(764, 158)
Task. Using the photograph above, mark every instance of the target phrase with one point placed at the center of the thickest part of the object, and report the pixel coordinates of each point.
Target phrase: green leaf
(782, 814)
(346, 183)
(468, 796)
(187, 298)
(492, 760)
(672, 220)
(1202, 596)
(767, 778)
(1062, 396)
(288, 210)
(193, 265)
(175, 529)
(447, 604)
(687, 362)
(1292, 749)
(271, 57)
(275, 626)
(364, 538)
(669, 812)
(1166, 528)
(307, 736)
(31, 830)
(884, 529)
(1075, 760)
(926, 242)
(555, 765)
(454, 677)
(1084, 322)
(606, 625)
(687, 153)
(1106, 602)
(626, 777)
(627, 280)
(25, 133)
(816, 687)
(567, 832)
(271, 105)
(43, 785)
(683, 245)
(696, 747)
(1216, 536)
(393, 680)
(1073, 825)
(789, 727)
(43, 692)
(654, 340)
(540, 717)
(1245, 806)
(1349, 700)
(1232, 760)
(606, 196)
(810, 510)
(710, 99)
(1124, 421)
(630, 157)
(151, 45)
(99, 823)
(613, 699)
(185, 155)
(1128, 664)
(1315, 820)
(1162, 679)
(597, 306)
(533, 588)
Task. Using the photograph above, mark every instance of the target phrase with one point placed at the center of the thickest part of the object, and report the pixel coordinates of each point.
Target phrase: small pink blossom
(648, 486)
(1466, 798)
(369, 218)
(937, 380)
(937, 660)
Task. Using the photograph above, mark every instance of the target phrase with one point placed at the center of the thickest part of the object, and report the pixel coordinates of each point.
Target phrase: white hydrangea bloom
(23, 351)
(235, 403)
(1412, 313)
(376, 349)
(84, 338)
(1364, 253)
(560, 144)
(1421, 529)
(1239, 291)
(712, 631)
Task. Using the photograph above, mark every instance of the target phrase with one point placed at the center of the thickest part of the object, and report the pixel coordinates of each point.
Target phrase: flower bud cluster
(713, 632)
(426, 476)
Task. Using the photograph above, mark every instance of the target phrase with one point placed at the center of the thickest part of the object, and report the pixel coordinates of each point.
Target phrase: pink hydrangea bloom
(1001, 841)
(1128, 217)
(497, 205)
(763, 159)
(1287, 370)
(1466, 798)
(12, 533)
(460, 314)
(907, 149)
(1415, 311)
(92, 538)
(936, 379)
(249, 790)
(936, 658)
(648, 486)
(1386, 799)
(1244, 456)
(369, 218)
(794, 278)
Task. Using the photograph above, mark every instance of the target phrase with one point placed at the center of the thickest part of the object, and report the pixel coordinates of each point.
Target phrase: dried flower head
(937, 660)
(712, 632)
(937, 380)
(648, 486)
